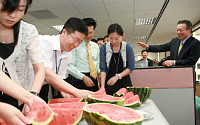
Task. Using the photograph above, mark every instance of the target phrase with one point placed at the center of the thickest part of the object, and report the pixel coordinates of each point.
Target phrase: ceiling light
(58, 27)
(145, 21)
(140, 38)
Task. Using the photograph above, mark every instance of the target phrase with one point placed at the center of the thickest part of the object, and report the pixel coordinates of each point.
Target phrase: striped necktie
(93, 71)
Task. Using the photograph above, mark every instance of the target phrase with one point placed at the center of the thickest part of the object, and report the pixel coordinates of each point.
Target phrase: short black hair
(94, 40)
(144, 51)
(75, 24)
(100, 39)
(187, 22)
(115, 28)
(90, 22)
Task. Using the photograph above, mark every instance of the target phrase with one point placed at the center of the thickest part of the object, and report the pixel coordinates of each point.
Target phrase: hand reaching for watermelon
(12, 116)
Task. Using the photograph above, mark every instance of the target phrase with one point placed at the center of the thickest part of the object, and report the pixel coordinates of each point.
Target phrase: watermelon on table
(109, 114)
(142, 92)
(66, 116)
(120, 92)
(106, 99)
(63, 100)
(76, 105)
(131, 100)
(40, 113)
(100, 92)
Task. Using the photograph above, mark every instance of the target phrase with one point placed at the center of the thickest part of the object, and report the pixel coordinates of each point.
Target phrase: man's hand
(143, 45)
(168, 63)
(88, 82)
(112, 80)
(82, 93)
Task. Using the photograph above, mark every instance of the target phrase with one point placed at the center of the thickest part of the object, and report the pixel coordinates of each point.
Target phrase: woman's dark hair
(10, 6)
(115, 28)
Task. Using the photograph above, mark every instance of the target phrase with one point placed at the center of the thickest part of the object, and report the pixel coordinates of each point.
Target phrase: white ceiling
(124, 12)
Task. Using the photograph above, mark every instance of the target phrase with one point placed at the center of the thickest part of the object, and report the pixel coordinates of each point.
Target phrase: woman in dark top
(116, 61)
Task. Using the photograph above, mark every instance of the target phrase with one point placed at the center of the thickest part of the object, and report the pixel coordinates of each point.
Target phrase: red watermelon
(131, 100)
(75, 105)
(63, 100)
(40, 113)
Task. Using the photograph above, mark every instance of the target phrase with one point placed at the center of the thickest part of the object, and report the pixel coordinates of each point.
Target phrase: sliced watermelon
(40, 113)
(66, 116)
(109, 114)
(100, 92)
(131, 100)
(76, 105)
(143, 92)
(120, 92)
(105, 99)
(63, 100)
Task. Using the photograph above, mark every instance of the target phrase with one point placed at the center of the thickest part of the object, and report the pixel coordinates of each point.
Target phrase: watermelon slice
(109, 114)
(120, 92)
(100, 92)
(40, 113)
(76, 105)
(143, 92)
(63, 100)
(66, 116)
(106, 99)
(131, 100)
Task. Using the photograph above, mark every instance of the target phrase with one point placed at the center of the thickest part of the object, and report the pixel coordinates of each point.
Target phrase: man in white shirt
(56, 53)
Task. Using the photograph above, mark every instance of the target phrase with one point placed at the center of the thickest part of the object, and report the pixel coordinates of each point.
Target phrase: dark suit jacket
(150, 62)
(188, 55)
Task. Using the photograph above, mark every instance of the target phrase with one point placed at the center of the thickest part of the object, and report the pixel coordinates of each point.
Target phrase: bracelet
(120, 77)
(35, 93)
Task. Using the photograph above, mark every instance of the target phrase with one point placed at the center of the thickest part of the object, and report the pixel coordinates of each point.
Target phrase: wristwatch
(35, 93)
(120, 77)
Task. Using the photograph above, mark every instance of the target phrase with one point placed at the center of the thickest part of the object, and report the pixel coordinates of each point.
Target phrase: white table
(149, 105)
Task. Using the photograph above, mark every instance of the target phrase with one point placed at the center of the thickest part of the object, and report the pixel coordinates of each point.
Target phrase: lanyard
(117, 61)
(57, 66)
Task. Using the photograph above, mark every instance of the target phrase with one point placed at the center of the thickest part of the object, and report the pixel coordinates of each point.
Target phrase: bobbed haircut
(115, 28)
(11, 5)
(75, 24)
(90, 22)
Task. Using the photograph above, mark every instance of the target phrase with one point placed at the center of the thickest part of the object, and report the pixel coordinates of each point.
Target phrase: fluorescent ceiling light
(145, 21)
(58, 27)
(140, 38)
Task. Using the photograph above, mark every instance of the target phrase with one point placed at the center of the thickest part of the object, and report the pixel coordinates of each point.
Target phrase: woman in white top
(20, 56)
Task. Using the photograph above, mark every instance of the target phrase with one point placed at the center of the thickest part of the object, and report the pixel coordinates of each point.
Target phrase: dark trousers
(81, 85)
(44, 92)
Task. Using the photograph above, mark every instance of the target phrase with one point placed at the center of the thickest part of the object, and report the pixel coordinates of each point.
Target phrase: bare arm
(53, 79)
(103, 79)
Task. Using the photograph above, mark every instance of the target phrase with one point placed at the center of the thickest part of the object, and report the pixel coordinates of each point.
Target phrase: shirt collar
(186, 39)
(56, 45)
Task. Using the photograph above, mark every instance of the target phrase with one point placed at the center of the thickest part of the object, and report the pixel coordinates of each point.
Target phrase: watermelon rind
(45, 122)
(95, 118)
(116, 102)
(143, 92)
(120, 92)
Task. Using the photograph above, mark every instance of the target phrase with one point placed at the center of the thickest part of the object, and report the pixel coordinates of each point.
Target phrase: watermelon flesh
(100, 92)
(120, 92)
(104, 113)
(131, 100)
(76, 105)
(105, 99)
(63, 100)
(40, 113)
(66, 116)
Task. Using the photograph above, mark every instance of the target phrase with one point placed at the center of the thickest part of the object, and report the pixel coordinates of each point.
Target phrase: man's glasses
(75, 40)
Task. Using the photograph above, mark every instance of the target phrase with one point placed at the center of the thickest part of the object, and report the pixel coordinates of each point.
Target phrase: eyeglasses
(75, 40)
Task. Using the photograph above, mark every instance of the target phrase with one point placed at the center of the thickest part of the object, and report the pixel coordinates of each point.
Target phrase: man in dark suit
(144, 54)
(184, 49)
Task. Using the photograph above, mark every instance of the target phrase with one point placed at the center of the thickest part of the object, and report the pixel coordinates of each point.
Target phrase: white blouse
(26, 53)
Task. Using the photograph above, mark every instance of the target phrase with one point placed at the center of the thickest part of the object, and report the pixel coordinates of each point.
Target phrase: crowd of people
(70, 63)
